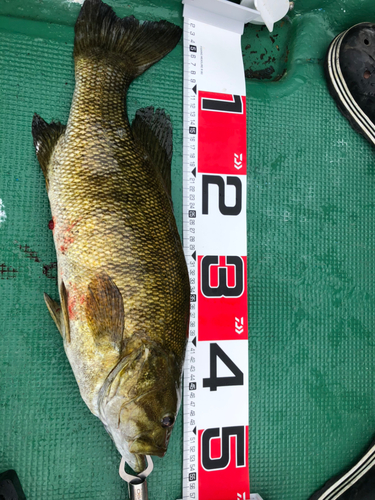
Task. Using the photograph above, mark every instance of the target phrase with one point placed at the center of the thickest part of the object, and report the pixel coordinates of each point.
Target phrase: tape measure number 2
(216, 462)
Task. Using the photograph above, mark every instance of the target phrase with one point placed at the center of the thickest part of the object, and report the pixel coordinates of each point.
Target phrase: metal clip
(137, 485)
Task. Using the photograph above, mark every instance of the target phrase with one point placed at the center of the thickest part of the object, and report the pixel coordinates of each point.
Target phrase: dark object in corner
(356, 484)
(350, 74)
(260, 74)
(10, 486)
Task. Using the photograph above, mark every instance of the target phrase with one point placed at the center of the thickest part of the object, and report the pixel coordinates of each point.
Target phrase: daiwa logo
(239, 325)
(237, 161)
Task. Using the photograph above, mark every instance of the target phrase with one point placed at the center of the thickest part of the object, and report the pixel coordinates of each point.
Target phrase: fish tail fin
(99, 33)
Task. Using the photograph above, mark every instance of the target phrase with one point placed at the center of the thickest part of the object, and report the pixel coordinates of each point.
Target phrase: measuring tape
(216, 461)
(216, 402)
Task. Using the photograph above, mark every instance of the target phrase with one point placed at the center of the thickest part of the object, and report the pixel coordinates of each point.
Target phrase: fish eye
(167, 421)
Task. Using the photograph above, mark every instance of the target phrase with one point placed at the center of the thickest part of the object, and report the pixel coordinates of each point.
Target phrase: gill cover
(139, 401)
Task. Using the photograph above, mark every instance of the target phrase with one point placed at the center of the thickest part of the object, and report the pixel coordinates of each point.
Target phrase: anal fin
(64, 309)
(55, 311)
(59, 312)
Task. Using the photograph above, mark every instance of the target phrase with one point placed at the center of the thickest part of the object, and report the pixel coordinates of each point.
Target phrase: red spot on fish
(75, 301)
(65, 235)
(51, 225)
(71, 310)
(70, 227)
(72, 300)
(67, 241)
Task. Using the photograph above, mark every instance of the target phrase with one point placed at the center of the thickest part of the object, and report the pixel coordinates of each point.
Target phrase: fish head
(139, 403)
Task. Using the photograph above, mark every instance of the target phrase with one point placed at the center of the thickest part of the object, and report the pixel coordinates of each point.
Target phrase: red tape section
(223, 461)
(224, 464)
(222, 297)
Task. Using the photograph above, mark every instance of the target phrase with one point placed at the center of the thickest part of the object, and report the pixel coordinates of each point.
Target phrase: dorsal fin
(152, 131)
(45, 139)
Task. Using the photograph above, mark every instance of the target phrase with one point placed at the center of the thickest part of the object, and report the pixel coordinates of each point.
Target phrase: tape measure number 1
(216, 460)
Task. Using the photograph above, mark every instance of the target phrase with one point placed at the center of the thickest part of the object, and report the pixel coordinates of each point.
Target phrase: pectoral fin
(105, 311)
(59, 312)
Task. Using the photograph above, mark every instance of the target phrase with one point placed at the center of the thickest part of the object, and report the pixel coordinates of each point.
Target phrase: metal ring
(142, 475)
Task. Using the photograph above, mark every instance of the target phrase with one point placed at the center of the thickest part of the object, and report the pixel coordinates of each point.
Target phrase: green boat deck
(311, 242)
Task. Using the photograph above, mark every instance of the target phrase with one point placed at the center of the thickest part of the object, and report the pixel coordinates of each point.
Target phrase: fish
(123, 282)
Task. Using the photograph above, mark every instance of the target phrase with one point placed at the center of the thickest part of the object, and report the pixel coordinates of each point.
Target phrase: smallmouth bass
(122, 277)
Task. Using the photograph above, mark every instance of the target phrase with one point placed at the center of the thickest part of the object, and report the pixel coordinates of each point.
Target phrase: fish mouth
(142, 446)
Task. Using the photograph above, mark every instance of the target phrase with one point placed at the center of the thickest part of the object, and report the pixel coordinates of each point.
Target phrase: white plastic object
(227, 14)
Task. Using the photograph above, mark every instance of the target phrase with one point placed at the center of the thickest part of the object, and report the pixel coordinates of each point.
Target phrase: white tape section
(216, 419)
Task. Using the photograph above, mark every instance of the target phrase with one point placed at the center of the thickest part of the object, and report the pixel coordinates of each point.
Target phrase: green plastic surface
(311, 204)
